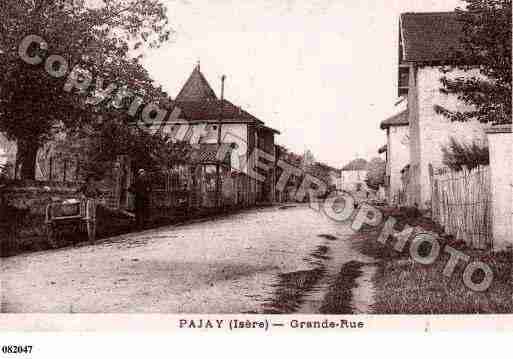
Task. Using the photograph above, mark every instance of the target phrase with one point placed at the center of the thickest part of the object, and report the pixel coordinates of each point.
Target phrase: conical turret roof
(196, 88)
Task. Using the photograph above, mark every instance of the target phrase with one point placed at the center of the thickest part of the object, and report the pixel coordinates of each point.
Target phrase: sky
(322, 72)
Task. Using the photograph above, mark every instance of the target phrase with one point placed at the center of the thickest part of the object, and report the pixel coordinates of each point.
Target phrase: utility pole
(218, 169)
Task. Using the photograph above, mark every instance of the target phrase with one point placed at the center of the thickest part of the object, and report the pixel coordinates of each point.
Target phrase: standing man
(141, 189)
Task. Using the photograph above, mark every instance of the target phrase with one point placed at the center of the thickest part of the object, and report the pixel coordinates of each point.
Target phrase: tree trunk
(27, 154)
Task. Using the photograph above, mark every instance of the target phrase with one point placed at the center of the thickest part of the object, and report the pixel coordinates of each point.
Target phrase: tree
(376, 173)
(322, 172)
(486, 45)
(292, 159)
(457, 155)
(102, 36)
(108, 139)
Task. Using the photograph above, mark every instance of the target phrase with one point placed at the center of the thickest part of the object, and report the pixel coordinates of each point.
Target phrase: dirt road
(229, 265)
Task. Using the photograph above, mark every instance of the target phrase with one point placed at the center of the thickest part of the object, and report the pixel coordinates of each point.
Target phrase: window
(210, 178)
(404, 77)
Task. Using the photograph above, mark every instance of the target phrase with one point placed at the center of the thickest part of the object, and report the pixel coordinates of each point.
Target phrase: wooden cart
(79, 215)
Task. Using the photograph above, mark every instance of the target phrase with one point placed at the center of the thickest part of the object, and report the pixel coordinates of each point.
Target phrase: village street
(227, 265)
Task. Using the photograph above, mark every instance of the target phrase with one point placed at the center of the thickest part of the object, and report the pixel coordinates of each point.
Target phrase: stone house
(199, 114)
(353, 175)
(336, 179)
(426, 43)
(397, 154)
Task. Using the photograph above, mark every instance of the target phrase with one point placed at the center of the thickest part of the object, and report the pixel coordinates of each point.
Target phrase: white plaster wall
(501, 158)
(413, 194)
(398, 153)
(8, 150)
(230, 133)
(435, 130)
(349, 179)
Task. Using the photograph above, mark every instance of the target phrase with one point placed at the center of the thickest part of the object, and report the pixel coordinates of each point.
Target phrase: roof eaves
(507, 128)
(400, 119)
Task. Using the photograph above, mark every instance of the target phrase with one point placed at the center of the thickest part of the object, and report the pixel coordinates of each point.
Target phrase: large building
(198, 117)
(427, 41)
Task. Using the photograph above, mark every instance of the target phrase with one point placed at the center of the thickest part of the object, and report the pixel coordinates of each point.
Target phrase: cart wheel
(50, 233)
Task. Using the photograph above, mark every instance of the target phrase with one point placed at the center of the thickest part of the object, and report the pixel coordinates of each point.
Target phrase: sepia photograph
(232, 162)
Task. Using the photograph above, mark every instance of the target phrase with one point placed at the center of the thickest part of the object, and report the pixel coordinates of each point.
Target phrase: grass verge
(404, 286)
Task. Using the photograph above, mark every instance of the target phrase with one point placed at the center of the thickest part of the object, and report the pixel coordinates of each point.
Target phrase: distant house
(426, 42)
(353, 175)
(397, 154)
(336, 179)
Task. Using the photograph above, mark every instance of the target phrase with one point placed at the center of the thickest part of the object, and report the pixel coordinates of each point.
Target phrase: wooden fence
(461, 203)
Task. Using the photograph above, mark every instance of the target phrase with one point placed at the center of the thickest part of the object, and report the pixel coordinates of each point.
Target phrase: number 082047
(16, 349)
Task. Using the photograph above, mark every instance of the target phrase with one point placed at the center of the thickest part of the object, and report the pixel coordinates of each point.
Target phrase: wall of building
(246, 137)
(430, 131)
(8, 151)
(351, 179)
(230, 133)
(398, 156)
(501, 158)
(413, 190)
(266, 143)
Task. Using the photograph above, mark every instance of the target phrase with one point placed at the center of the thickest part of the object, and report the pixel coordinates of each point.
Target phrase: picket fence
(461, 204)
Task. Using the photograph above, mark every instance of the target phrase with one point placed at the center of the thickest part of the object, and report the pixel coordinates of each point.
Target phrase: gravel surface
(227, 265)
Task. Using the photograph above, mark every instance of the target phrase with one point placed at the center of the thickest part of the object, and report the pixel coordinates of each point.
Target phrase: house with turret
(208, 121)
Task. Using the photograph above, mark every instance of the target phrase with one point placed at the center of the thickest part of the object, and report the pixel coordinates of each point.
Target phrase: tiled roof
(269, 129)
(401, 119)
(358, 164)
(196, 88)
(430, 37)
(198, 102)
(206, 153)
(507, 128)
(211, 111)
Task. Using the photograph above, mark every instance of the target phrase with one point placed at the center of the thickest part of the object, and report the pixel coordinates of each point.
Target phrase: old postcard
(257, 166)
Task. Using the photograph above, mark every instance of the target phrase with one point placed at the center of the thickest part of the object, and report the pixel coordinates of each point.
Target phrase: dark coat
(141, 188)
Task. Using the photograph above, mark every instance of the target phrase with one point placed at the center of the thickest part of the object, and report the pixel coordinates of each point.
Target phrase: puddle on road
(328, 236)
(132, 242)
(287, 207)
(339, 295)
(321, 253)
(292, 287)
(327, 288)
(126, 243)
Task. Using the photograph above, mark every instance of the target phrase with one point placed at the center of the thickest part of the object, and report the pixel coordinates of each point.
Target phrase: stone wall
(398, 156)
(500, 144)
(31, 199)
(430, 131)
